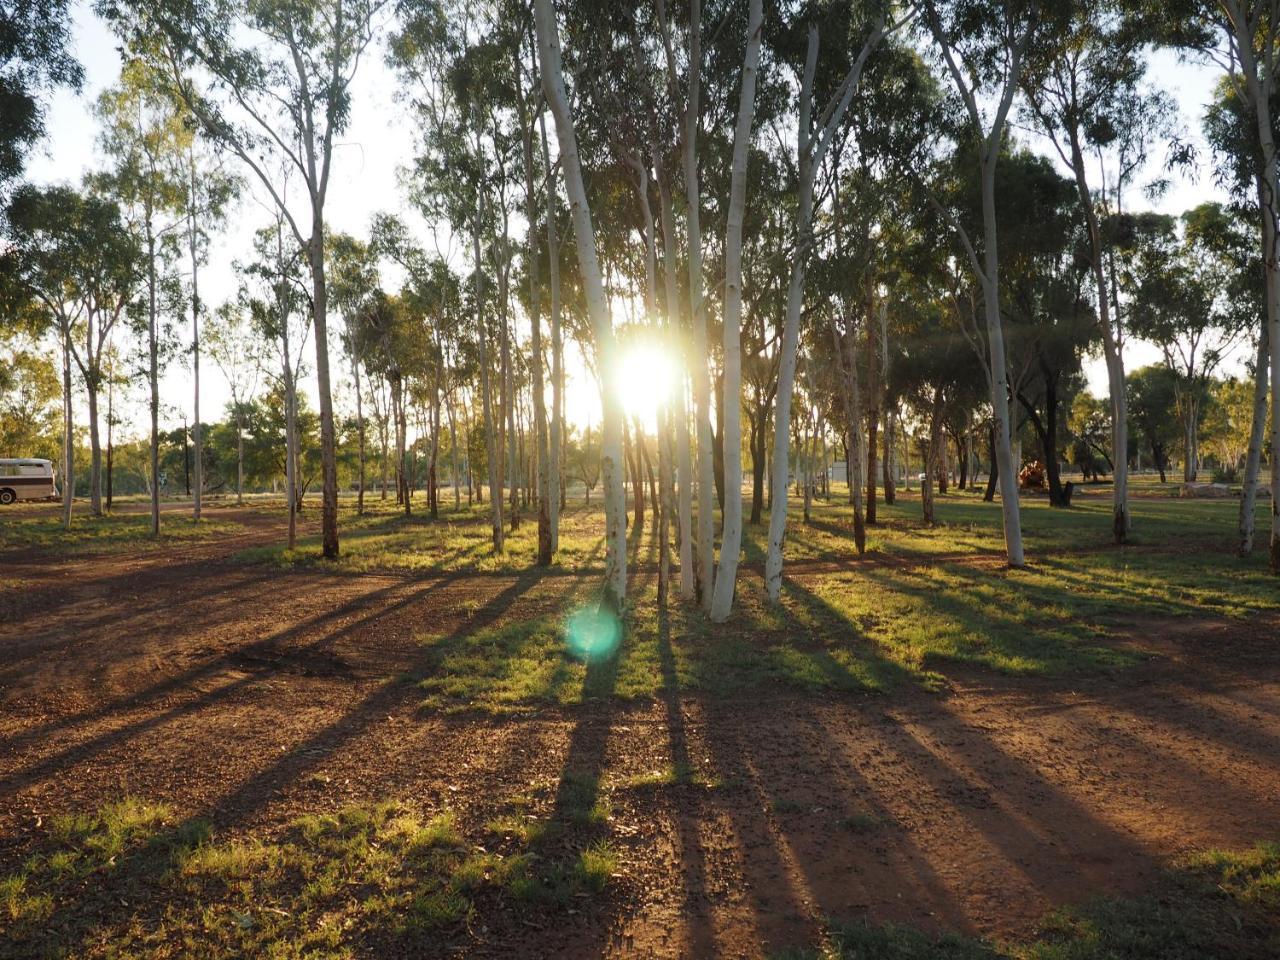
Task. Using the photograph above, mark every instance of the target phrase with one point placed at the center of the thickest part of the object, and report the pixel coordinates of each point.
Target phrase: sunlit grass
(111, 533)
(131, 880)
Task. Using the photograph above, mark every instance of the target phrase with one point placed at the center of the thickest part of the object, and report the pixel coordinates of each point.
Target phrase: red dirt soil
(249, 695)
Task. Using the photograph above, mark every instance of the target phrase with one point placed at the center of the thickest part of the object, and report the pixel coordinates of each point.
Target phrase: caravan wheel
(7, 497)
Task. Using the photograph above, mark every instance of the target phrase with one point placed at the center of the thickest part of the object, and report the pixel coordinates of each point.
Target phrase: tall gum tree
(1085, 94)
(553, 87)
(1243, 38)
(144, 137)
(985, 51)
(814, 137)
(269, 81)
(731, 536)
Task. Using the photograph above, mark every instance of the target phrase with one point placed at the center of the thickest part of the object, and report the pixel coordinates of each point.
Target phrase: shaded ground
(744, 821)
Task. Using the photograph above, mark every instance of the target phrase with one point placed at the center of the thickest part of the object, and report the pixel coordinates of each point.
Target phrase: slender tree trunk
(508, 398)
(999, 369)
(434, 496)
(1113, 351)
(890, 460)
(731, 399)
(597, 303)
(355, 366)
(490, 438)
(874, 391)
(929, 455)
(680, 418)
(239, 462)
(1260, 86)
(111, 396)
(545, 467)
(153, 378)
(555, 485)
(193, 247)
(993, 478)
(328, 434)
(95, 443)
(68, 433)
(291, 446)
(1253, 459)
(810, 155)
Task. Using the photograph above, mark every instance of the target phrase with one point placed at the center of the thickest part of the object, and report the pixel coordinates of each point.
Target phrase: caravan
(27, 479)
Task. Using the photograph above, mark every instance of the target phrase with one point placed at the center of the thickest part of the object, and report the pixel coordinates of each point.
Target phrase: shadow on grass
(1214, 906)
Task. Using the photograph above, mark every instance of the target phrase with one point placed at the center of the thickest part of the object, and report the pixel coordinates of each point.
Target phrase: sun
(645, 378)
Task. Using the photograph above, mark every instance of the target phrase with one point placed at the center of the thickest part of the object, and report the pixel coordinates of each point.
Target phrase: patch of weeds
(525, 829)
(673, 774)
(326, 887)
(596, 866)
(578, 799)
(786, 805)
(1218, 905)
(859, 823)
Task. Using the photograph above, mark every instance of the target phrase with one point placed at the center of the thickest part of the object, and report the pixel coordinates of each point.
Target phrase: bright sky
(365, 181)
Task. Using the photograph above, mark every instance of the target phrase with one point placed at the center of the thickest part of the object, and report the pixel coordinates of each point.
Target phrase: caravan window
(32, 470)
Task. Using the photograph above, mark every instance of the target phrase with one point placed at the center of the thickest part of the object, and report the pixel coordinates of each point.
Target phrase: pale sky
(364, 182)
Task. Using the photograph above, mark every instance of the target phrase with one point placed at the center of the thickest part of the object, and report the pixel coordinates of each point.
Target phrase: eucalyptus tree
(1233, 137)
(280, 313)
(1088, 95)
(527, 96)
(1050, 324)
(143, 134)
(689, 104)
(238, 352)
(208, 191)
(726, 578)
(449, 180)
(985, 46)
(34, 61)
(816, 131)
(1152, 403)
(553, 87)
(355, 278)
(1179, 282)
(1243, 38)
(270, 83)
(74, 256)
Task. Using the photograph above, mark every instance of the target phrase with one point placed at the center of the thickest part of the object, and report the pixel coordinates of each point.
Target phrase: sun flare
(645, 379)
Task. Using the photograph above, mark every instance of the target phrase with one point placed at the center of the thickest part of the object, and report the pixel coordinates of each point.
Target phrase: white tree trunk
(597, 304)
(731, 399)
(1009, 504)
(810, 153)
(680, 418)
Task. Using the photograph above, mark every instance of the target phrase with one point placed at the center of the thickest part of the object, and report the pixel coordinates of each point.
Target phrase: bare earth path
(249, 695)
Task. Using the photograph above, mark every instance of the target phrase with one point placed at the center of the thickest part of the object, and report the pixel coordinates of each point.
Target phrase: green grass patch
(113, 533)
(130, 880)
(1219, 905)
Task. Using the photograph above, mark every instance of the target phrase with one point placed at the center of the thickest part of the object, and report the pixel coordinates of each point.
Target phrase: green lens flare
(592, 634)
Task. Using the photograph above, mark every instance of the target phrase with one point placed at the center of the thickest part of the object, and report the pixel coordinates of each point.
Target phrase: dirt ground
(249, 695)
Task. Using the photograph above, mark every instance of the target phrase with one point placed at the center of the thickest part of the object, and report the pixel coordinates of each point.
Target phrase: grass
(918, 605)
(1219, 905)
(131, 880)
(924, 600)
(116, 532)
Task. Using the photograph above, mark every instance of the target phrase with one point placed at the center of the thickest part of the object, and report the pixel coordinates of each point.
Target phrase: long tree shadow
(252, 795)
(686, 811)
(260, 658)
